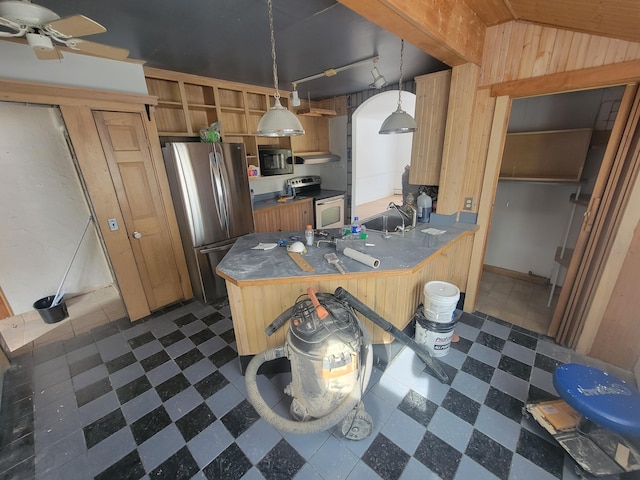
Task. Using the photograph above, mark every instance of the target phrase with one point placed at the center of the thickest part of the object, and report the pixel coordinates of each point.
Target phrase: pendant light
(399, 121)
(278, 121)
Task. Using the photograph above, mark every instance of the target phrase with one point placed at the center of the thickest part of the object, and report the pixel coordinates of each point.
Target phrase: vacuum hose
(292, 426)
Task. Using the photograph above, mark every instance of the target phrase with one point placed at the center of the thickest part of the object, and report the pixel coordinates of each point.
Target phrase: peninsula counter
(261, 284)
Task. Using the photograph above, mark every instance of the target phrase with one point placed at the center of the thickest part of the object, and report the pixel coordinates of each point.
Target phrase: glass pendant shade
(279, 122)
(398, 122)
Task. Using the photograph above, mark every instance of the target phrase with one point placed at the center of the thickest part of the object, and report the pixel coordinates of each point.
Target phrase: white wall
(378, 160)
(43, 212)
(20, 63)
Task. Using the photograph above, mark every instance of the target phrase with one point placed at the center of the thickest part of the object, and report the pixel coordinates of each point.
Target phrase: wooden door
(129, 160)
(600, 224)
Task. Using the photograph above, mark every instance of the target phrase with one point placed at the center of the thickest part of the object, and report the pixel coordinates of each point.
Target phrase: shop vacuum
(331, 361)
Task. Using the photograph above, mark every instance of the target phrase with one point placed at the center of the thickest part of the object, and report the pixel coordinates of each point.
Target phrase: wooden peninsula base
(393, 293)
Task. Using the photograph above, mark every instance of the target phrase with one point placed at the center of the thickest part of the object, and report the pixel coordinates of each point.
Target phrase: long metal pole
(56, 300)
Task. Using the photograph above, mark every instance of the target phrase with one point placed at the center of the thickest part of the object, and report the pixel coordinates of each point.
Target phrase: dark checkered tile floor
(164, 398)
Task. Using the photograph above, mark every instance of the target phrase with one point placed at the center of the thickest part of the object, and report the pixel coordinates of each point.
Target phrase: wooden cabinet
(286, 217)
(432, 101)
(315, 121)
(548, 156)
(189, 103)
(184, 106)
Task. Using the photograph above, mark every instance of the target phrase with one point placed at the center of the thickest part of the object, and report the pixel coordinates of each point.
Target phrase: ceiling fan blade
(97, 49)
(44, 54)
(76, 26)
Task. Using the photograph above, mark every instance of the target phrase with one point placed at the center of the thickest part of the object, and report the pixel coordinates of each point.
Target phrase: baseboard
(527, 277)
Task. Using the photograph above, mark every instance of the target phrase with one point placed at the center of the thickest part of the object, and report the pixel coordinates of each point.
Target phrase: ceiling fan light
(279, 122)
(39, 42)
(398, 122)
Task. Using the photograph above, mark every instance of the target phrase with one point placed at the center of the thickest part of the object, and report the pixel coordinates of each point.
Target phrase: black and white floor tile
(165, 398)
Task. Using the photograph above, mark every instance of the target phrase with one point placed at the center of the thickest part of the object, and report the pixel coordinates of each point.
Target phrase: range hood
(316, 157)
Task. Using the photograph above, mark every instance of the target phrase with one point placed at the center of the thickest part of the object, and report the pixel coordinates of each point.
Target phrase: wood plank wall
(521, 50)
(522, 59)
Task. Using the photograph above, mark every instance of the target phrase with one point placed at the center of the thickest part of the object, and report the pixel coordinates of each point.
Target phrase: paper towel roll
(362, 257)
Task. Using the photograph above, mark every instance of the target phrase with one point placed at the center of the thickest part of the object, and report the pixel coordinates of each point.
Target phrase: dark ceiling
(229, 39)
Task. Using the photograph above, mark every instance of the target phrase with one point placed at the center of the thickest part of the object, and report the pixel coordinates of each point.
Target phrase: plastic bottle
(308, 235)
(355, 225)
(424, 207)
(410, 198)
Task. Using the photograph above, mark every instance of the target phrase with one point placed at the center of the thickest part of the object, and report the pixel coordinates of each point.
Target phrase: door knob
(137, 235)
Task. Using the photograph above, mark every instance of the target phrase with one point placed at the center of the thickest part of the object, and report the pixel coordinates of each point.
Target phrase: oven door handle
(329, 200)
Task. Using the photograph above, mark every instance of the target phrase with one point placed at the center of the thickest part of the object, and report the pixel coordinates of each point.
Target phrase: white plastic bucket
(436, 337)
(440, 301)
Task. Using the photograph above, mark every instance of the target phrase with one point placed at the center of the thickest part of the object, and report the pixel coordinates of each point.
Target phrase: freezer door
(211, 287)
(211, 181)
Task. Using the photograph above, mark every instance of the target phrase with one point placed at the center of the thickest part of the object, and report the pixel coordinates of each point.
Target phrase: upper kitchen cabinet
(189, 103)
(548, 156)
(314, 117)
(432, 101)
(186, 104)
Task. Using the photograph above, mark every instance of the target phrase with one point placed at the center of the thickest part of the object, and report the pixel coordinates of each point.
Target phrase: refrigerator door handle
(224, 176)
(218, 195)
(216, 249)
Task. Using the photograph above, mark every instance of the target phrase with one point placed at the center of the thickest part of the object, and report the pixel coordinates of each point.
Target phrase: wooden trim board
(527, 277)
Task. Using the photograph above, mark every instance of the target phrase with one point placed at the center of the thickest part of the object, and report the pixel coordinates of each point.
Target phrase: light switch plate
(468, 203)
(113, 224)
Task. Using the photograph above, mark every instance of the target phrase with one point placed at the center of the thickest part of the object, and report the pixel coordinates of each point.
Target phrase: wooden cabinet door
(266, 220)
(132, 171)
(288, 217)
(432, 101)
(296, 216)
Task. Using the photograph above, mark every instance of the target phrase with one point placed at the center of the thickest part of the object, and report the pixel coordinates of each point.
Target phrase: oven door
(330, 212)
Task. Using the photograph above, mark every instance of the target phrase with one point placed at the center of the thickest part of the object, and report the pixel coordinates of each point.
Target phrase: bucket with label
(440, 301)
(435, 336)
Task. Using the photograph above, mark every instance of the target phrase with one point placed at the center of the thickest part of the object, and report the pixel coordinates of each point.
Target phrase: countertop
(272, 202)
(399, 252)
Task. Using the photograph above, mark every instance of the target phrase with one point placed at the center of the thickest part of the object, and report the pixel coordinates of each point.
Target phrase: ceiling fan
(44, 30)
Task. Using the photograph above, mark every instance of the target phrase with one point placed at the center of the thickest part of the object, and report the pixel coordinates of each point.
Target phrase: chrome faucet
(403, 214)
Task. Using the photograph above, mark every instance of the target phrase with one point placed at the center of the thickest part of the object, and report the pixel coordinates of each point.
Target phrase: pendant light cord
(273, 51)
(399, 81)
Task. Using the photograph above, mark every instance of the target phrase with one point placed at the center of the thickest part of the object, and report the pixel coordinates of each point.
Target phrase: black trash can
(51, 314)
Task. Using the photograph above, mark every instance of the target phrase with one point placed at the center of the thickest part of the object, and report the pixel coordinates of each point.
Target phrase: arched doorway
(378, 160)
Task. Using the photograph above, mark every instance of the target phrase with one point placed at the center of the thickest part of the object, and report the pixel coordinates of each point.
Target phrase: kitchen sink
(377, 222)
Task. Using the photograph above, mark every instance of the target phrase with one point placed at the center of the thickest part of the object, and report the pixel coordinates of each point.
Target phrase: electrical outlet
(113, 224)
(468, 203)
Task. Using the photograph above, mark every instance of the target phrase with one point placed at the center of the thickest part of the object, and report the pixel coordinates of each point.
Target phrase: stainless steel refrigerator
(210, 190)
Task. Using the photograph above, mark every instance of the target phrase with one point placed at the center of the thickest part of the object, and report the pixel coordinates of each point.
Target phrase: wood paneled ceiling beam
(449, 31)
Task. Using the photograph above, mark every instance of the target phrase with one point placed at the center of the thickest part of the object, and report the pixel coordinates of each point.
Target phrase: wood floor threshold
(527, 277)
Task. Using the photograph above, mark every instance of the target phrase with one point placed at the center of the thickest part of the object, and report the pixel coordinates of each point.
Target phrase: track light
(295, 98)
(378, 80)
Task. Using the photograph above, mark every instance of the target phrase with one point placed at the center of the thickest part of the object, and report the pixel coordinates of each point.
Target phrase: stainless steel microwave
(275, 161)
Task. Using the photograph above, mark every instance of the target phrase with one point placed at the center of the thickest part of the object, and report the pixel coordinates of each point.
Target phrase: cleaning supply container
(435, 336)
(49, 313)
(440, 300)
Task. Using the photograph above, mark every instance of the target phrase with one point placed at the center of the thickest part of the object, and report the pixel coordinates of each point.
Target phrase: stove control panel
(311, 180)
